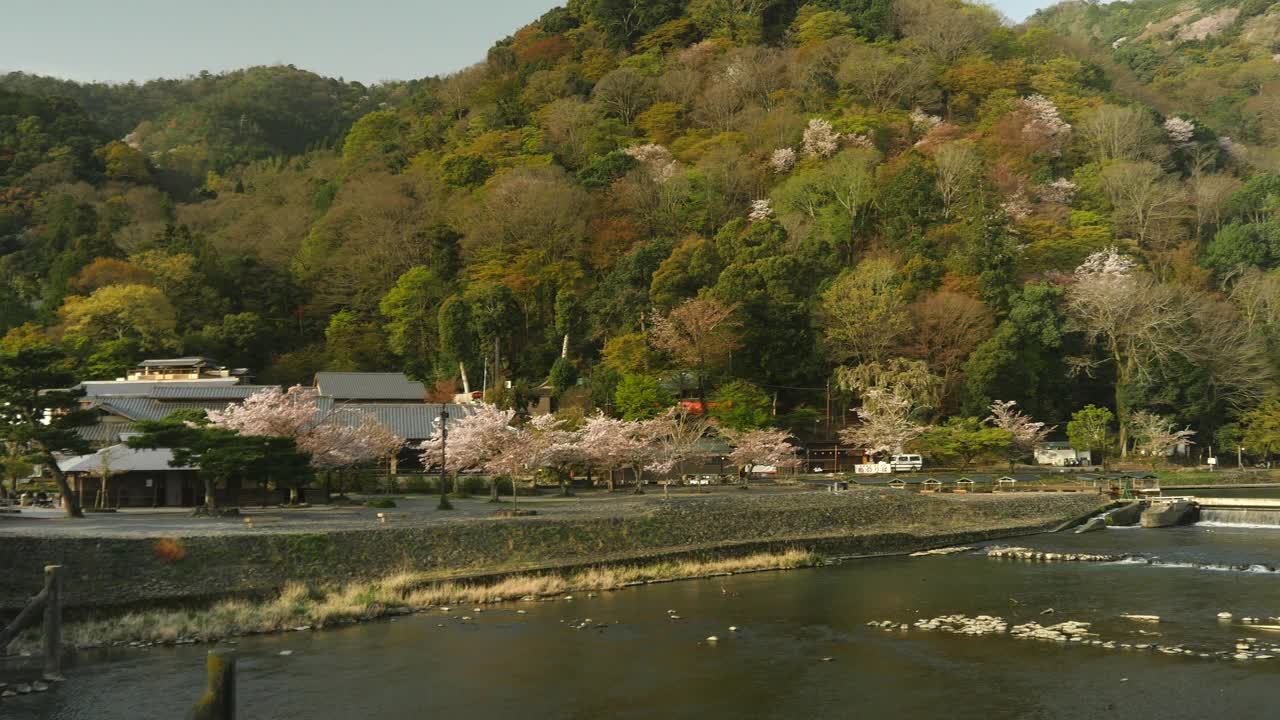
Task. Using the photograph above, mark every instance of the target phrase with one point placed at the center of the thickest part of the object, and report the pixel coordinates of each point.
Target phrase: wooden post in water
(219, 700)
(51, 645)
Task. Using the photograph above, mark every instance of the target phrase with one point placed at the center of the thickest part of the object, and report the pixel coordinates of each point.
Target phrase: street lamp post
(444, 436)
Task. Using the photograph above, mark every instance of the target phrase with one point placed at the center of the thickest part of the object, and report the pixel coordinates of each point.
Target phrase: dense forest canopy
(745, 201)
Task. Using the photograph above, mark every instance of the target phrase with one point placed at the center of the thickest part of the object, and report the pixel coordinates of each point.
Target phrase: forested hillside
(743, 200)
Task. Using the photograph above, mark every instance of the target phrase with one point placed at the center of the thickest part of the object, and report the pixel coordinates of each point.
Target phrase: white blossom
(1061, 191)
(820, 139)
(1044, 121)
(656, 159)
(923, 121)
(1180, 131)
(783, 160)
(1025, 433)
(1017, 207)
(760, 210)
(1233, 149)
(1109, 263)
(886, 425)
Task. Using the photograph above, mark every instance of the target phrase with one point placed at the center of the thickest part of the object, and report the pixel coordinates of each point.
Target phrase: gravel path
(869, 507)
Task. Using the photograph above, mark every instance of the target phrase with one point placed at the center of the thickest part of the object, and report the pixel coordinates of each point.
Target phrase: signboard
(872, 468)
(1213, 461)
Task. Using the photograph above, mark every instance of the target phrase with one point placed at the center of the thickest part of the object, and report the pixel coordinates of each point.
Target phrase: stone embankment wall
(104, 572)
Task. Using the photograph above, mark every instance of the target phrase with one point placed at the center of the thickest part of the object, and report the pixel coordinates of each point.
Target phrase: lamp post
(444, 436)
(1239, 457)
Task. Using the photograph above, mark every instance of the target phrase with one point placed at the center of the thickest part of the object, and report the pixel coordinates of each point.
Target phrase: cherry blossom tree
(820, 139)
(782, 160)
(473, 443)
(679, 434)
(1156, 437)
(1181, 132)
(886, 425)
(760, 447)
(598, 440)
(334, 439)
(556, 445)
(1025, 433)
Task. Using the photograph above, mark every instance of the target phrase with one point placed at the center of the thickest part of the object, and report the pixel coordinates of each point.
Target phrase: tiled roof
(411, 421)
(93, 388)
(180, 391)
(145, 408)
(180, 362)
(370, 386)
(120, 458)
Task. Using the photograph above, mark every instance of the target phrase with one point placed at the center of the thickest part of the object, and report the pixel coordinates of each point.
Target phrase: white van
(906, 463)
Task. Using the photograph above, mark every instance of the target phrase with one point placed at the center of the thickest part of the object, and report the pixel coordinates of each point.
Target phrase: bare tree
(700, 335)
(1120, 133)
(882, 78)
(568, 125)
(958, 165)
(624, 93)
(1210, 195)
(946, 327)
(1148, 203)
(1137, 322)
(946, 31)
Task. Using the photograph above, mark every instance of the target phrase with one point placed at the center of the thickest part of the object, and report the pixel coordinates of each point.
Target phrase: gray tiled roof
(411, 421)
(191, 361)
(145, 408)
(120, 458)
(179, 391)
(370, 386)
(93, 388)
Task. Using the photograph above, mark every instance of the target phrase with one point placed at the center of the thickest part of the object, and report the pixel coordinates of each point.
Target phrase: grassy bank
(299, 605)
(1228, 476)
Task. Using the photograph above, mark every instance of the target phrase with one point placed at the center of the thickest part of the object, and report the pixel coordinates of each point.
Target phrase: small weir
(1240, 516)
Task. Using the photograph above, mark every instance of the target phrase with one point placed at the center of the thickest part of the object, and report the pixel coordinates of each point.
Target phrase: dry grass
(300, 605)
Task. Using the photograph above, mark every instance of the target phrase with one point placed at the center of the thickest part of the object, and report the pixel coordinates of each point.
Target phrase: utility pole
(444, 437)
(828, 408)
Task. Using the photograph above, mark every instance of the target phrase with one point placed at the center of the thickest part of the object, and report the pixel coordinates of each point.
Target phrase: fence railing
(47, 604)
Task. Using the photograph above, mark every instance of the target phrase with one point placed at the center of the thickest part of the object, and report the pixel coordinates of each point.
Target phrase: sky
(369, 41)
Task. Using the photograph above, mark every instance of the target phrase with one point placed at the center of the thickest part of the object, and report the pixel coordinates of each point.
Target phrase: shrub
(169, 550)
(380, 503)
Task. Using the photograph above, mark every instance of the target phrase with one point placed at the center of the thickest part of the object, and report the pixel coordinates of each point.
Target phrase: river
(802, 649)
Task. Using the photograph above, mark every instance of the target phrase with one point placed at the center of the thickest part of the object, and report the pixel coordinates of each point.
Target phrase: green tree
(457, 335)
(563, 374)
(353, 343)
(741, 405)
(640, 397)
(1260, 429)
(965, 439)
(412, 310)
(222, 454)
(39, 415)
(123, 312)
(1090, 429)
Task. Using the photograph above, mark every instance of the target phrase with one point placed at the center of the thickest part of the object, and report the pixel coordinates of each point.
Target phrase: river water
(802, 648)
